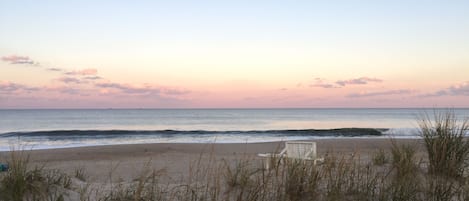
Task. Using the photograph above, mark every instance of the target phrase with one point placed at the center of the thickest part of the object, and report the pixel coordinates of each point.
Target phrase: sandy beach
(184, 171)
(127, 161)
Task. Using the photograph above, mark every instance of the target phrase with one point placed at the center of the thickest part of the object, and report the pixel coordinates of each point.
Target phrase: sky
(234, 54)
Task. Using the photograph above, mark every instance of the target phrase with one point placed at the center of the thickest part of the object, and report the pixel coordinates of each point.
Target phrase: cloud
(320, 82)
(381, 93)
(461, 89)
(128, 89)
(111, 85)
(10, 88)
(70, 91)
(55, 69)
(14, 59)
(84, 72)
(140, 90)
(20, 89)
(93, 78)
(358, 81)
(175, 91)
(324, 85)
(70, 80)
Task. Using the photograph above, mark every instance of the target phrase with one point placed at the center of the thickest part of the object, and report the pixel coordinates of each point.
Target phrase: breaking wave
(83, 134)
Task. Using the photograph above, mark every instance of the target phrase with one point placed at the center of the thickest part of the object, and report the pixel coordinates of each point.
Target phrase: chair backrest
(301, 150)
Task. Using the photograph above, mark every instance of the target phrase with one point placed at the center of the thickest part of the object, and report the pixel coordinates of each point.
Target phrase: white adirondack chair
(300, 150)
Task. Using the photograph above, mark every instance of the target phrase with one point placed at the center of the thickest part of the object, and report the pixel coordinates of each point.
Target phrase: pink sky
(32, 84)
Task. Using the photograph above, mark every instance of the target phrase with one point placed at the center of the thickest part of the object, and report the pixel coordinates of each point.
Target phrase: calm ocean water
(41, 129)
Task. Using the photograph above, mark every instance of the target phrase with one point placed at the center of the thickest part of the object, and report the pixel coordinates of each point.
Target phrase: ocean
(58, 128)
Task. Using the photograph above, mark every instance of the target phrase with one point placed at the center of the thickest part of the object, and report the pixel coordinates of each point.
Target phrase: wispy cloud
(381, 93)
(175, 91)
(461, 89)
(70, 80)
(70, 91)
(140, 90)
(322, 83)
(55, 69)
(11, 88)
(14, 59)
(93, 78)
(128, 89)
(87, 85)
(112, 85)
(84, 72)
(358, 81)
(319, 82)
(19, 90)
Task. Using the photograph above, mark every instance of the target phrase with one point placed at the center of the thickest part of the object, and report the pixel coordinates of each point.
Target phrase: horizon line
(230, 108)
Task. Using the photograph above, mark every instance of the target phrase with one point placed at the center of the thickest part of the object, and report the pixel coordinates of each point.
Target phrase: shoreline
(39, 147)
(328, 142)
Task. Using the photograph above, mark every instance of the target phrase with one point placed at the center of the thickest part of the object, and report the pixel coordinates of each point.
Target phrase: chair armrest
(270, 155)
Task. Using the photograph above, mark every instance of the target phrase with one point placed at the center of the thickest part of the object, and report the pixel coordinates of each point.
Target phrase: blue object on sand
(3, 167)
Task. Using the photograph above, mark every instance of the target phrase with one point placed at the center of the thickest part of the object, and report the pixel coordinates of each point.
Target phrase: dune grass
(23, 182)
(447, 148)
(380, 157)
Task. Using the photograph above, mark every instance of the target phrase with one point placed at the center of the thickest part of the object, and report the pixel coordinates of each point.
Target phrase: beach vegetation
(446, 144)
(26, 182)
(380, 157)
(80, 173)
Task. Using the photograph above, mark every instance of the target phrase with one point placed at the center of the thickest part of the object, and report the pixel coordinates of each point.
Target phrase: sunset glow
(213, 54)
